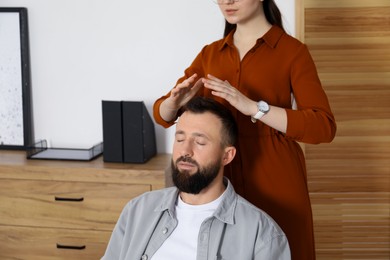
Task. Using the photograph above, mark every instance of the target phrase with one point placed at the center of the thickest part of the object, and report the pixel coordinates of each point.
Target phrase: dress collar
(271, 38)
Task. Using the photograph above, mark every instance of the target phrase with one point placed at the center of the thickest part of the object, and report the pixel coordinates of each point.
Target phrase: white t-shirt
(183, 242)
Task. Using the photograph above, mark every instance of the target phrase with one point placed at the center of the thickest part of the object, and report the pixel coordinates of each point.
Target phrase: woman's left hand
(223, 89)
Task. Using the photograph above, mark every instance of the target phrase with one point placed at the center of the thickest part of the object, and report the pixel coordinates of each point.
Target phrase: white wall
(83, 52)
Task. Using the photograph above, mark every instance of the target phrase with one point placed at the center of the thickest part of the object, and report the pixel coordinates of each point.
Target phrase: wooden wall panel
(349, 179)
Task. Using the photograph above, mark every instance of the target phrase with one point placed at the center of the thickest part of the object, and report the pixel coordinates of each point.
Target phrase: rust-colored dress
(269, 169)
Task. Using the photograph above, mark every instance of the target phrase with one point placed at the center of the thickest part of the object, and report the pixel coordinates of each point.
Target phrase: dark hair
(271, 12)
(200, 105)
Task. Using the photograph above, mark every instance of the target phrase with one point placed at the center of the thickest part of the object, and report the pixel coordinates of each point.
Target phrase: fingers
(186, 90)
(187, 82)
(217, 85)
(211, 77)
(198, 84)
(183, 86)
(215, 82)
(223, 89)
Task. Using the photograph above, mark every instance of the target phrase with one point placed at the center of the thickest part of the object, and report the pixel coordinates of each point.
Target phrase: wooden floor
(349, 179)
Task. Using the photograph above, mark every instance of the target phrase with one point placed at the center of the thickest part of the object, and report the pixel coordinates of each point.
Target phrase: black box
(112, 131)
(128, 132)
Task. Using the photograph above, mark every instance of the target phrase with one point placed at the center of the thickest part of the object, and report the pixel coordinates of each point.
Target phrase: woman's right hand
(180, 95)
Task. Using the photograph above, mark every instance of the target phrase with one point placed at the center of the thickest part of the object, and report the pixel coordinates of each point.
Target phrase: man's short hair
(200, 105)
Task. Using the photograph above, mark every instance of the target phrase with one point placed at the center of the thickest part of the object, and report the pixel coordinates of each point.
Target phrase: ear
(229, 154)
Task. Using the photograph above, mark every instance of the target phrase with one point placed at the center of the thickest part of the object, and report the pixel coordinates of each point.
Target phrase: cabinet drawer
(42, 243)
(79, 205)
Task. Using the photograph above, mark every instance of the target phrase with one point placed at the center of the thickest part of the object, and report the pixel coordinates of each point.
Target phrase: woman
(255, 70)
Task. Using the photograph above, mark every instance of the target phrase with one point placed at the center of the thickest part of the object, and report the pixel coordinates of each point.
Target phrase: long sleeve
(313, 122)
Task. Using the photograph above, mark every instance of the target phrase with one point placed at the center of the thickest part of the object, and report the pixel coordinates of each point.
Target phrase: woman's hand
(180, 95)
(223, 89)
(185, 91)
(275, 118)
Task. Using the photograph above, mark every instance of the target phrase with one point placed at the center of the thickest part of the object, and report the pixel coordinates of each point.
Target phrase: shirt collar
(168, 201)
(271, 38)
(227, 207)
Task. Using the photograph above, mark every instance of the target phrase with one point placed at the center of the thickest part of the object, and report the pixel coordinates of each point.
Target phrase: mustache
(186, 159)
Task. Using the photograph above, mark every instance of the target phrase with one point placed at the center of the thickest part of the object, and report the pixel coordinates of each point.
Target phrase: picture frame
(16, 121)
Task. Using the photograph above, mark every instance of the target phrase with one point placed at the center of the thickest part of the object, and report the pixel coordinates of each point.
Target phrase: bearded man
(201, 217)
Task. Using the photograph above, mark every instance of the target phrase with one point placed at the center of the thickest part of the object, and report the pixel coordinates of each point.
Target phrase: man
(202, 217)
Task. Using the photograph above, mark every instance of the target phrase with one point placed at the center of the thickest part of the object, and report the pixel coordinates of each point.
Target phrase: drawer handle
(69, 199)
(70, 247)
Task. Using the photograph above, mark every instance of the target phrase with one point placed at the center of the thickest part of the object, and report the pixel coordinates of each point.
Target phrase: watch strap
(256, 117)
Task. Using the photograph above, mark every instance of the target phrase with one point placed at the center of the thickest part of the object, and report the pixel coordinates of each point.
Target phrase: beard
(194, 183)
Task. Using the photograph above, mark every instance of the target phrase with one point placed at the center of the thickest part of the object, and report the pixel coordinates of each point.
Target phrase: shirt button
(144, 257)
(165, 230)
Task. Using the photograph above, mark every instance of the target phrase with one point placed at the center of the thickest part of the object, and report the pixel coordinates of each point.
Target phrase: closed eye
(179, 137)
(179, 140)
(201, 141)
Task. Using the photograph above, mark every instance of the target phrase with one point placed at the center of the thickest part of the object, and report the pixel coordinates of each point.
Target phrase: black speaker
(128, 132)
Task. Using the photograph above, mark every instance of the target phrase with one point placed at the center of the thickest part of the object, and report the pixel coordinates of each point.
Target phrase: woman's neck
(252, 30)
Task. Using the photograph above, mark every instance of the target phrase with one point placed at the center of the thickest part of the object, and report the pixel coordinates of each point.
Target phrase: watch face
(263, 106)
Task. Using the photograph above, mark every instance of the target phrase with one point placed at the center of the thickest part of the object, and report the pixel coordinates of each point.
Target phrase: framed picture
(16, 123)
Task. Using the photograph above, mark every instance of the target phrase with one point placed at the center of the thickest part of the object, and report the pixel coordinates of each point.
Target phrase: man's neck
(208, 194)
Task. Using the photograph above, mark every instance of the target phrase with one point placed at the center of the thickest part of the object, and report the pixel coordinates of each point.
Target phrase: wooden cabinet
(67, 209)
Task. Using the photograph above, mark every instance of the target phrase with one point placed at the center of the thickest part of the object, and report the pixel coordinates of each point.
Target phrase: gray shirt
(237, 230)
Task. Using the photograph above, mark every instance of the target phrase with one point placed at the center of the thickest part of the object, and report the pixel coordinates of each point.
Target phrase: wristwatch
(263, 109)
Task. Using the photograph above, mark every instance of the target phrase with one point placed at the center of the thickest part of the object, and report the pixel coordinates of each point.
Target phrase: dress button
(165, 230)
(144, 257)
